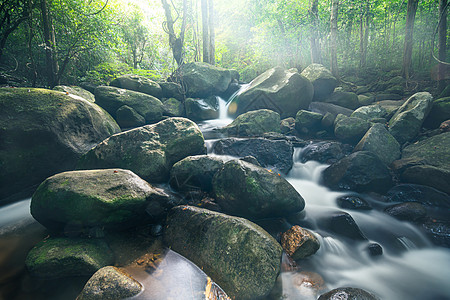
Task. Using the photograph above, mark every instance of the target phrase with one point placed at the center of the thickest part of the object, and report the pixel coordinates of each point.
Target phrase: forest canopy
(50, 42)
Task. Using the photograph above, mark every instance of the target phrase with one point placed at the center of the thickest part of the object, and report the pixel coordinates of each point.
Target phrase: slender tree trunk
(408, 46)
(31, 65)
(364, 35)
(333, 38)
(176, 44)
(314, 16)
(50, 46)
(442, 33)
(205, 31)
(212, 34)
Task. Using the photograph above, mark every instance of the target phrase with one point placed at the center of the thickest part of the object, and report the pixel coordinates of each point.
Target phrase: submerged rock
(149, 151)
(343, 224)
(299, 242)
(110, 283)
(112, 198)
(418, 193)
(44, 132)
(277, 89)
(203, 80)
(238, 254)
(246, 190)
(361, 171)
(323, 81)
(254, 123)
(407, 121)
(353, 202)
(138, 83)
(65, 257)
(273, 154)
(348, 293)
(408, 211)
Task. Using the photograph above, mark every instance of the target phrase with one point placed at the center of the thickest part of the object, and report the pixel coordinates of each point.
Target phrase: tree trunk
(50, 46)
(205, 32)
(333, 37)
(314, 17)
(176, 44)
(212, 35)
(364, 35)
(408, 46)
(442, 33)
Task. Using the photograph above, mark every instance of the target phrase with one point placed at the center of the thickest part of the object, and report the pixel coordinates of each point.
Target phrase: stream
(410, 267)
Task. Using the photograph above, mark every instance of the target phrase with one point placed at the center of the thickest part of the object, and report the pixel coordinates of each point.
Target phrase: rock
(445, 126)
(149, 151)
(407, 121)
(323, 81)
(343, 224)
(324, 108)
(271, 154)
(172, 90)
(246, 190)
(238, 254)
(202, 109)
(112, 98)
(353, 202)
(391, 106)
(299, 242)
(327, 122)
(345, 99)
(325, 152)
(88, 86)
(254, 123)
(348, 293)
(408, 211)
(374, 249)
(418, 193)
(370, 112)
(203, 80)
(110, 283)
(350, 129)
(287, 126)
(365, 100)
(138, 84)
(438, 231)
(380, 142)
(112, 198)
(439, 113)
(75, 90)
(361, 171)
(64, 257)
(173, 108)
(386, 96)
(195, 173)
(307, 122)
(127, 117)
(277, 89)
(437, 178)
(44, 132)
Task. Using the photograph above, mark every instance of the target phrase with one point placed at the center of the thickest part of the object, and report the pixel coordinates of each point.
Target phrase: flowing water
(409, 268)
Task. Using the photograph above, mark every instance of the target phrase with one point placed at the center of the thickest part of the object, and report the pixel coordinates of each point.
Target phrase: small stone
(348, 293)
(299, 243)
(374, 249)
(353, 202)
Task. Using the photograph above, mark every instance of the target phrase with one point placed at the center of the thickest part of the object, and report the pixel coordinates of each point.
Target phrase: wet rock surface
(348, 293)
(299, 242)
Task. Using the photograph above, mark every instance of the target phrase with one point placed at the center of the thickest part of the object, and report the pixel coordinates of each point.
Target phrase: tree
(333, 36)
(442, 36)
(50, 46)
(314, 19)
(408, 45)
(175, 43)
(208, 31)
(364, 33)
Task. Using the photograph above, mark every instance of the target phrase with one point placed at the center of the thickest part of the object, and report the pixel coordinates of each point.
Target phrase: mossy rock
(65, 257)
(307, 122)
(44, 132)
(323, 81)
(439, 113)
(202, 109)
(238, 254)
(172, 90)
(254, 123)
(345, 99)
(370, 112)
(139, 84)
(75, 90)
(149, 151)
(174, 108)
(350, 129)
(277, 89)
(249, 191)
(111, 198)
(127, 117)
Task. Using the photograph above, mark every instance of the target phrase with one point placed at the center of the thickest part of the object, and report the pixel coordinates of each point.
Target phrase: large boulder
(345, 99)
(273, 154)
(112, 98)
(246, 190)
(361, 171)
(326, 152)
(203, 80)
(44, 132)
(435, 177)
(202, 109)
(149, 151)
(418, 193)
(439, 113)
(283, 91)
(238, 254)
(407, 121)
(380, 142)
(350, 129)
(195, 173)
(307, 122)
(323, 81)
(254, 123)
(139, 84)
(173, 107)
(172, 90)
(324, 108)
(65, 257)
(127, 117)
(75, 90)
(110, 283)
(370, 112)
(111, 198)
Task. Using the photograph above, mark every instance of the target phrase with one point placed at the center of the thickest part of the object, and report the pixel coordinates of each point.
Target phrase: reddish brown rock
(299, 243)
